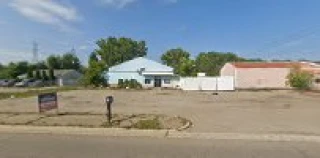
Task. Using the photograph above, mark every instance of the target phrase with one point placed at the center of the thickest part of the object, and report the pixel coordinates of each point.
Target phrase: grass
(34, 92)
(148, 124)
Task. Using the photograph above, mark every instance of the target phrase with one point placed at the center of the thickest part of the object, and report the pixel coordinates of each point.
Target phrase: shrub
(300, 79)
(132, 84)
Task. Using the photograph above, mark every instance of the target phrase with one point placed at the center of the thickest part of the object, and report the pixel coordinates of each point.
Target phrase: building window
(167, 81)
(147, 81)
(317, 81)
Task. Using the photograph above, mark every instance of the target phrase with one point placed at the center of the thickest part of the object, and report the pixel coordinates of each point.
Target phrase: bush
(132, 84)
(300, 79)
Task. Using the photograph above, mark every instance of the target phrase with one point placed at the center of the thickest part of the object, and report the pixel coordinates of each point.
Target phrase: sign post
(109, 101)
(47, 102)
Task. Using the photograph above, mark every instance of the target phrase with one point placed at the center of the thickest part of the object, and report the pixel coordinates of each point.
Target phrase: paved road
(50, 146)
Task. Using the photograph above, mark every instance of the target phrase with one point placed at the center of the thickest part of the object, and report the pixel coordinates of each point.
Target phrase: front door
(157, 81)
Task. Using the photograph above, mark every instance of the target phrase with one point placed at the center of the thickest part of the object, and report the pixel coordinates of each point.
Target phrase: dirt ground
(247, 112)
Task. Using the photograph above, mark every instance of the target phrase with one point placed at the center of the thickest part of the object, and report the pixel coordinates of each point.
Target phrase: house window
(147, 81)
(167, 81)
(317, 81)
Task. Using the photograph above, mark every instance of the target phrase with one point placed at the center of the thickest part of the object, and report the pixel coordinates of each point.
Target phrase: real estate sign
(47, 102)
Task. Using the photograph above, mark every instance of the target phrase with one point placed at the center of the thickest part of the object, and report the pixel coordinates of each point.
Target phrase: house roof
(270, 64)
(140, 63)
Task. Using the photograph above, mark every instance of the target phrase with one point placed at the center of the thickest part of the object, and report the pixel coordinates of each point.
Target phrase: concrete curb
(241, 136)
(118, 132)
(112, 132)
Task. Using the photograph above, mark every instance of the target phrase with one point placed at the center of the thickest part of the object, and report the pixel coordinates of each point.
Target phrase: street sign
(47, 102)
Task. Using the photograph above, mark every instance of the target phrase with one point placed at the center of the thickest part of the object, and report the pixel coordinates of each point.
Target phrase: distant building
(271, 75)
(147, 72)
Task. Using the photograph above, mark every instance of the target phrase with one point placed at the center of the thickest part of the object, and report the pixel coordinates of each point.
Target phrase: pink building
(257, 75)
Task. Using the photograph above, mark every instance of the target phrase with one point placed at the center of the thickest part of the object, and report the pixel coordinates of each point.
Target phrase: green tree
(54, 62)
(174, 58)
(300, 79)
(110, 52)
(94, 75)
(70, 61)
(114, 51)
(187, 68)
(44, 75)
(38, 75)
(51, 75)
(30, 74)
(212, 62)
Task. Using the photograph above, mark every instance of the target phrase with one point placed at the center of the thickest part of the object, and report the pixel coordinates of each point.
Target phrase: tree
(54, 62)
(38, 75)
(300, 79)
(175, 57)
(70, 61)
(30, 74)
(94, 74)
(110, 52)
(51, 75)
(212, 62)
(187, 68)
(44, 75)
(113, 51)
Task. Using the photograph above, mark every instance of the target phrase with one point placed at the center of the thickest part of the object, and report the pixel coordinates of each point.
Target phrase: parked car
(36, 83)
(1, 82)
(7, 83)
(24, 83)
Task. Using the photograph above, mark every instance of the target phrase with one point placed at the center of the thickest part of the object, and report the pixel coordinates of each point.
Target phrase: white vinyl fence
(224, 83)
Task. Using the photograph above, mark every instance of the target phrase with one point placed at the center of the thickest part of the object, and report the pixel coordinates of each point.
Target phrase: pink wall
(257, 77)
(227, 70)
(262, 77)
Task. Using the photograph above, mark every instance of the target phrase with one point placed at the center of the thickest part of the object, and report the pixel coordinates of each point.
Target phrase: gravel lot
(247, 112)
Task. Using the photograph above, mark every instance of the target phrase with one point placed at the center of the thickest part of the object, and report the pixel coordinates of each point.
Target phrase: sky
(269, 29)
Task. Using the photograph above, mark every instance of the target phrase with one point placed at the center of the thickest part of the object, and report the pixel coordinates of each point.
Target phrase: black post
(109, 112)
(109, 101)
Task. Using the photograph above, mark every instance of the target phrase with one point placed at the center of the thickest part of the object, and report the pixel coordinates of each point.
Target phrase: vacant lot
(252, 112)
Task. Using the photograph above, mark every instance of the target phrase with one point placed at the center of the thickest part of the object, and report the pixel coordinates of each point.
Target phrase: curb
(112, 132)
(170, 134)
(240, 136)
(185, 126)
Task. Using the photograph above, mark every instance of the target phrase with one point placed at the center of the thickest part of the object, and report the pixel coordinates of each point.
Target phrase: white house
(147, 72)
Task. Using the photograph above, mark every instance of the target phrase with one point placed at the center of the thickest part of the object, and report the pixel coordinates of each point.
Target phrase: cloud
(47, 12)
(118, 3)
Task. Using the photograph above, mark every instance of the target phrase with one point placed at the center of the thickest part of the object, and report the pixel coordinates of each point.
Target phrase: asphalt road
(52, 146)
